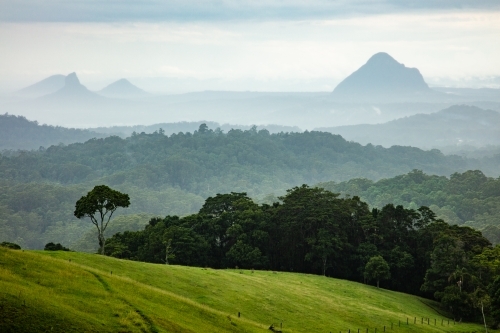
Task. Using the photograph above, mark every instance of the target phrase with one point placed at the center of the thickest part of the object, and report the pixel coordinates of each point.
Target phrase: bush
(9, 245)
(55, 247)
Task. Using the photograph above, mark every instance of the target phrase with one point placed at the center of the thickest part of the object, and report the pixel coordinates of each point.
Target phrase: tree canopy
(377, 269)
(99, 205)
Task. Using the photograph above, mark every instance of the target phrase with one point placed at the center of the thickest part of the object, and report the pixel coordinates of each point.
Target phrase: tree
(99, 205)
(377, 269)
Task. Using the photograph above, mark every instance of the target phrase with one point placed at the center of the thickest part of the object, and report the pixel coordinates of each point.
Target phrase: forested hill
(174, 174)
(215, 162)
(17, 132)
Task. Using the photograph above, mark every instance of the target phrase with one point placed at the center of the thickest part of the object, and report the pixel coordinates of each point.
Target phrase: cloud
(217, 10)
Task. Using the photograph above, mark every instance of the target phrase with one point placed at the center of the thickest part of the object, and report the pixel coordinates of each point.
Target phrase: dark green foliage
(494, 291)
(10, 245)
(469, 198)
(55, 247)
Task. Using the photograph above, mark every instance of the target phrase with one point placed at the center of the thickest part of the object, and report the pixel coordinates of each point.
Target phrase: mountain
(46, 86)
(78, 106)
(123, 89)
(72, 89)
(382, 78)
(458, 125)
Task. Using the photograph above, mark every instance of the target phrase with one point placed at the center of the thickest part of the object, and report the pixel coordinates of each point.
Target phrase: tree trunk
(484, 318)
(378, 283)
(102, 242)
(324, 266)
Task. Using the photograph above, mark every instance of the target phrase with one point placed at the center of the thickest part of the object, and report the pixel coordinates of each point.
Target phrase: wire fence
(405, 324)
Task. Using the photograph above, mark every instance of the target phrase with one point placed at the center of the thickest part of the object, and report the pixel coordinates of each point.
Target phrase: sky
(257, 45)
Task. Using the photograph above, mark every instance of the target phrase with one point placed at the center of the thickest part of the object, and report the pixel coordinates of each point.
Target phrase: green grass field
(77, 292)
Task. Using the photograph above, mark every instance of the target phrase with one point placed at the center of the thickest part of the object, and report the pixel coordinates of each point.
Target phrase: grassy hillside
(76, 292)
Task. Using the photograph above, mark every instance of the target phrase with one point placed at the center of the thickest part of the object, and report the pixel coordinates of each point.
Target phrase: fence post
(434, 321)
(415, 320)
(391, 326)
(406, 320)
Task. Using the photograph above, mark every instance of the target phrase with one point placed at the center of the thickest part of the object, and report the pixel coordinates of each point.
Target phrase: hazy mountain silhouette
(382, 79)
(72, 89)
(46, 86)
(76, 104)
(123, 89)
(458, 125)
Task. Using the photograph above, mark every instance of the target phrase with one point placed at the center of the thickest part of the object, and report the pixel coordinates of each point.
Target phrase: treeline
(312, 230)
(210, 161)
(468, 198)
(186, 126)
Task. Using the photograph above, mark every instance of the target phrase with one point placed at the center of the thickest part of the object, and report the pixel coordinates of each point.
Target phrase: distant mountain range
(381, 90)
(459, 125)
(70, 85)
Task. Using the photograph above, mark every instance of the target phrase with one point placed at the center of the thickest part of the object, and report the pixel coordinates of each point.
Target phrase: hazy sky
(245, 45)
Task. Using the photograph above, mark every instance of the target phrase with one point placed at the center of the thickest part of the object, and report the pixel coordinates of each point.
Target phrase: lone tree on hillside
(377, 269)
(99, 205)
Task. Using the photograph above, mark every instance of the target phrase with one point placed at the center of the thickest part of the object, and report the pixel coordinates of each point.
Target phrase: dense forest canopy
(468, 198)
(172, 175)
(254, 161)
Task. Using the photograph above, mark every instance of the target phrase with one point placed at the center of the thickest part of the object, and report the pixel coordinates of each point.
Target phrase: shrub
(55, 247)
(9, 245)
